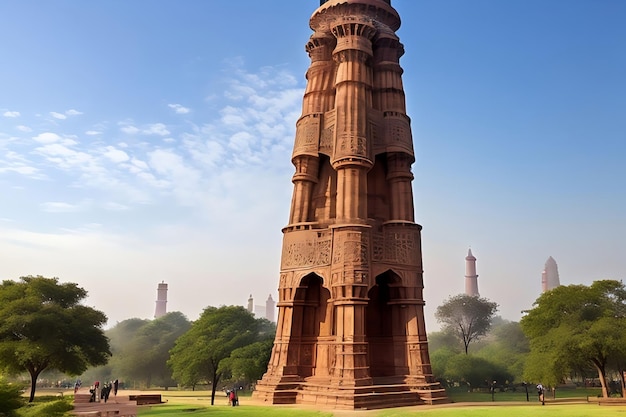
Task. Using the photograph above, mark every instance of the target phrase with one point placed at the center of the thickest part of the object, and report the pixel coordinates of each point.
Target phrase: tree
(199, 353)
(144, 357)
(574, 326)
(505, 345)
(249, 363)
(468, 317)
(475, 371)
(44, 326)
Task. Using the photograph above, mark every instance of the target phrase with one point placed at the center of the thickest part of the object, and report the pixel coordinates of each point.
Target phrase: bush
(56, 408)
(10, 398)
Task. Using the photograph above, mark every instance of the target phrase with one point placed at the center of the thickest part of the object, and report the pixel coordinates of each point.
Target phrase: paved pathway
(119, 406)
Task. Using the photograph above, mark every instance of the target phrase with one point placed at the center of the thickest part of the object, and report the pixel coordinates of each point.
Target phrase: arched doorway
(312, 323)
(385, 327)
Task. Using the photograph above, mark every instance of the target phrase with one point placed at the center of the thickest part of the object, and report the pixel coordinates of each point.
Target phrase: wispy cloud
(159, 129)
(179, 109)
(59, 116)
(60, 207)
(23, 128)
(73, 112)
(11, 114)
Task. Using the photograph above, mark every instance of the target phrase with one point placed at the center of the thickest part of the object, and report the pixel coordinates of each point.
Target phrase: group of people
(104, 392)
(232, 397)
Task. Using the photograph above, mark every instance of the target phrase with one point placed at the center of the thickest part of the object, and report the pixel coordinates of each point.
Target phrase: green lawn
(573, 410)
(459, 394)
(223, 411)
(535, 410)
(475, 404)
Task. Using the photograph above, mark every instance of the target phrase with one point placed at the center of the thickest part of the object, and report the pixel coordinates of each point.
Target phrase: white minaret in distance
(550, 275)
(270, 307)
(471, 278)
(251, 304)
(161, 302)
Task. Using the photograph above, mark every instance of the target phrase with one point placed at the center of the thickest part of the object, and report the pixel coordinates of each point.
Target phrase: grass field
(465, 410)
(568, 403)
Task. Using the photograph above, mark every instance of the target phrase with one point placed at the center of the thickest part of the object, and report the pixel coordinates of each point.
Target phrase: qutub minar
(350, 329)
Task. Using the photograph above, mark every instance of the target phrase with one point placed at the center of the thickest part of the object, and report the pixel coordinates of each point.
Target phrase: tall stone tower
(350, 329)
(161, 302)
(550, 275)
(471, 278)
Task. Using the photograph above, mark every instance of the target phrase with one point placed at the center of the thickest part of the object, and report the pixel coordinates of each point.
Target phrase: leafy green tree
(475, 371)
(145, 357)
(505, 345)
(439, 361)
(44, 326)
(249, 363)
(577, 325)
(467, 317)
(120, 336)
(199, 353)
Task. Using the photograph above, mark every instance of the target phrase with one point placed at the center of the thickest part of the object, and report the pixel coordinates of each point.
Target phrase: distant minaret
(161, 302)
(251, 304)
(471, 278)
(270, 306)
(550, 275)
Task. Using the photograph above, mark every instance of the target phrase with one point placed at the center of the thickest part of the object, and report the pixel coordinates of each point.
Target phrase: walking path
(118, 406)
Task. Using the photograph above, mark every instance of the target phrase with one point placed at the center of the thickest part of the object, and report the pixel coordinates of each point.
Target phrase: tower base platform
(326, 395)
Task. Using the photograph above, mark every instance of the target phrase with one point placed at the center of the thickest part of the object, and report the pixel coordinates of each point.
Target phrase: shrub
(10, 398)
(56, 408)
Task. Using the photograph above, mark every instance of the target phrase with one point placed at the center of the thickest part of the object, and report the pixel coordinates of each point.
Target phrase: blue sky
(147, 141)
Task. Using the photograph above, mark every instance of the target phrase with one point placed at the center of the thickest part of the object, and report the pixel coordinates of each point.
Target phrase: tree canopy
(467, 317)
(199, 354)
(144, 356)
(44, 326)
(574, 326)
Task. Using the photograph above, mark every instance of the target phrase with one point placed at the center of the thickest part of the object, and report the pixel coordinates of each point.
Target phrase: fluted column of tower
(353, 86)
(351, 160)
(318, 98)
(388, 97)
(471, 278)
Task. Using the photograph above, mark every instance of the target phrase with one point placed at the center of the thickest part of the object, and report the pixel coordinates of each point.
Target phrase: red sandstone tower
(350, 330)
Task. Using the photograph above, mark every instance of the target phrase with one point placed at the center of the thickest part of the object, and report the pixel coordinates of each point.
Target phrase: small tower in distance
(161, 302)
(550, 275)
(250, 304)
(270, 307)
(471, 278)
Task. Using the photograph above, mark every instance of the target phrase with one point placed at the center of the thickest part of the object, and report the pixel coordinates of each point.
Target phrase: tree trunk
(602, 377)
(33, 383)
(216, 380)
